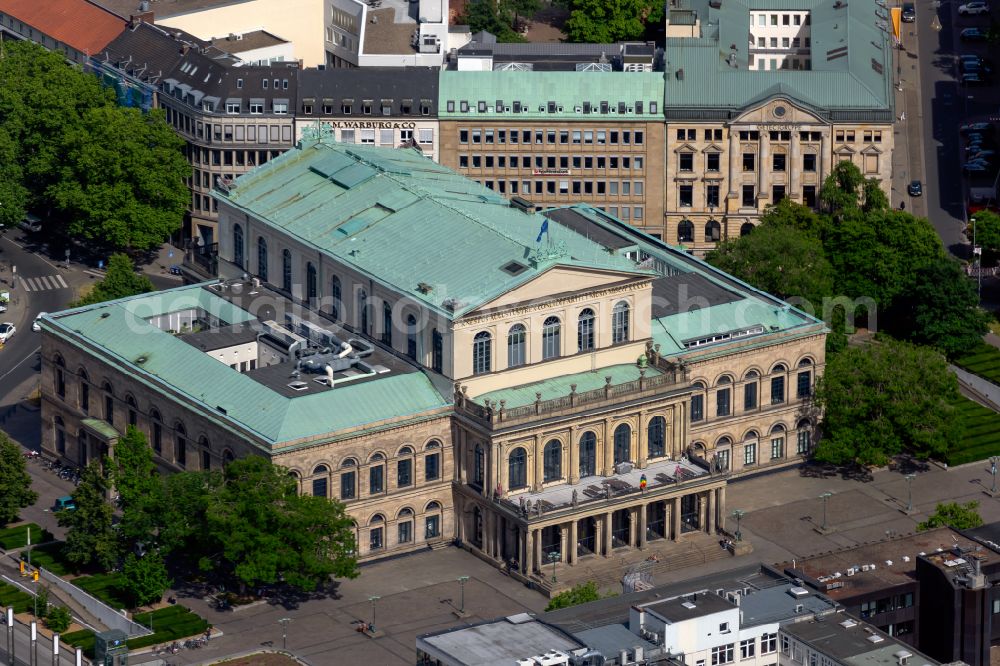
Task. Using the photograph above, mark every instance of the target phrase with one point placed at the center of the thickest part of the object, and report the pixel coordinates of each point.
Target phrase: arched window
(550, 338)
(156, 426)
(311, 291)
(180, 444)
(348, 479)
(404, 526)
(517, 469)
(336, 297)
(109, 402)
(697, 402)
(386, 323)
(411, 337)
(623, 442)
(286, 270)
(746, 229)
(60, 376)
(713, 230)
(84, 391)
(363, 311)
(376, 534)
(588, 454)
(619, 322)
(481, 353)
(404, 467)
(685, 232)
(376, 474)
(262, 258)
(585, 330)
(321, 481)
(238, 245)
(803, 381)
(778, 384)
(723, 451)
(478, 465)
(60, 432)
(724, 396)
(516, 346)
(777, 441)
(133, 410)
(437, 351)
(432, 522)
(656, 433)
(803, 438)
(552, 461)
(227, 457)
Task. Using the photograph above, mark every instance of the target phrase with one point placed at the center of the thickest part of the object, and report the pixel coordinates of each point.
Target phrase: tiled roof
(406, 222)
(83, 25)
(121, 332)
(698, 75)
(569, 91)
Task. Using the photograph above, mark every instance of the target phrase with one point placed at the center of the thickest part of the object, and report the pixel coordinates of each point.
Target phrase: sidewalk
(907, 156)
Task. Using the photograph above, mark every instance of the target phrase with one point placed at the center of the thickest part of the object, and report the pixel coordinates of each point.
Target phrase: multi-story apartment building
(761, 102)
(558, 124)
(379, 106)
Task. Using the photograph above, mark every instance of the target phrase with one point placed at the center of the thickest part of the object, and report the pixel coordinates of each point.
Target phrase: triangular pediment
(871, 150)
(845, 150)
(711, 148)
(685, 148)
(559, 281)
(777, 108)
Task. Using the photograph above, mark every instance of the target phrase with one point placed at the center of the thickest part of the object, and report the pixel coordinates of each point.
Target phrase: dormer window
(406, 107)
(239, 83)
(387, 107)
(232, 107)
(366, 107)
(347, 108)
(264, 83)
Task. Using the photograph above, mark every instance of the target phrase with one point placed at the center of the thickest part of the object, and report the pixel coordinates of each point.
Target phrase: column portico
(573, 540)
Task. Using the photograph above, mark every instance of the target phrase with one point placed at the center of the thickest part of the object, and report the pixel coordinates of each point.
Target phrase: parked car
(66, 503)
(972, 57)
(7, 330)
(36, 325)
(984, 154)
(974, 167)
(975, 127)
(969, 67)
(973, 9)
(972, 35)
(915, 188)
(31, 224)
(909, 13)
(972, 80)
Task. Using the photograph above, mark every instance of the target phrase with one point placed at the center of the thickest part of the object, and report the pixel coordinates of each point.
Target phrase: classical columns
(721, 503)
(793, 168)
(641, 543)
(609, 451)
(734, 160)
(536, 482)
(536, 542)
(702, 501)
(573, 540)
(525, 550)
(710, 509)
(675, 517)
(632, 526)
(606, 535)
(573, 473)
(763, 168)
(563, 543)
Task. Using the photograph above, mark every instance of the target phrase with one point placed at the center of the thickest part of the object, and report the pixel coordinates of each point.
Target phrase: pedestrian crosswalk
(43, 283)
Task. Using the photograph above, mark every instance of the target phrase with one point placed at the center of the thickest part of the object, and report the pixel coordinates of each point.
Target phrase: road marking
(16, 365)
(44, 283)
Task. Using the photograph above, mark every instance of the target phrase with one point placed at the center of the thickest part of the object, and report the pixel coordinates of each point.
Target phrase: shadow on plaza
(903, 464)
(227, 598)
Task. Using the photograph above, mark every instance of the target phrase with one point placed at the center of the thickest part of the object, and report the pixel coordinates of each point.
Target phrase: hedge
(17, 537)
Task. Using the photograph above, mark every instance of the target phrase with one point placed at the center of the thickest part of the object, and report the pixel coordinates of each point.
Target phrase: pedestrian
(902, 116)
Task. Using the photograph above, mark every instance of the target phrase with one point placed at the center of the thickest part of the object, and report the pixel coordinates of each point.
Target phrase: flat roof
(781, 603)
(221, 337)
(248, 41)
(690, 606)
(127, 333)
(499, 642)
(684, 292)
(852, 642)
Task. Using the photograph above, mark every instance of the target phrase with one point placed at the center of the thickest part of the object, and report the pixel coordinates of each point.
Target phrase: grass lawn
(982, 434)
(50, 556)
(107, 587)
(17, 537)
(984, 361)
(171, 623)
(12, 596)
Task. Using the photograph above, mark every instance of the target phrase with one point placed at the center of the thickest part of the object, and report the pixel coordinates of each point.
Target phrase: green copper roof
(850, 56)
(406, 221)
(121, 332)
(535, 90)
(101, 427)
(558, 387)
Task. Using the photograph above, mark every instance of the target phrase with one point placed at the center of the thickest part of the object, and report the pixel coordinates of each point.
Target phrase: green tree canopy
(90, 535)
(782, 260)
(841, 191)
(941, 309)
(791, 214)
(580, 593)
(121, 180)
(58, 619)
(140, 492)
(267, 532)
(502, 18)
(607, 21)
(987, 230)
(146, 577)
(885, 398)
(15, 482)
(119, 281)
(960, 516)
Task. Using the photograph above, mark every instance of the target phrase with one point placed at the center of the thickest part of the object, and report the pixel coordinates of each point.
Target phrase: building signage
(550, 172)
(371, 124)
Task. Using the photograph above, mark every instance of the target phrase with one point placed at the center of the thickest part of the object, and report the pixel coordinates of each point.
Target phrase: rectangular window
(778, 162)
(432, 467)
(697, 408)
(376, 480)
(777, 447)
(432, 527)
(405, 530)
(685, 196)
(375, 538)
(712, 161)
(712, 196)
(722, 405)
(749, 196)
(750, 396)
(463, 136)
(777, 390)
(749, 161)
(722, 654)
(809, 162)
(809, 196)
(768, 643)
(404, 473)
(748, 648)
(686, 162)
(804, 385)
(777, 193)
(749, 458)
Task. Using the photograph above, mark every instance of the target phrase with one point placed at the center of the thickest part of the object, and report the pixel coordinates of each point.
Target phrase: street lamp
(284, 631)
(909, 491)
(825, 496)
(993, 470)
(373, 600)
(462, 580)
(553, 558)
(977, 253)
(738, 515)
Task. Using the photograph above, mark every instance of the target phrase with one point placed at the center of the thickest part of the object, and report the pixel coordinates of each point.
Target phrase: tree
(959, 516)
(58, 619)
(121, 179)
(15, 482)
(145, 578)
(42, 601)
(885, 398)
(267, 532)
(502, 18)
(788, 213)
(608, 21)
(120, 281)
(91, 537)
(781, 260)
(986, 231)
(13, 194)
(941, 309)
(841, 190)
(183, 530)
(873, 196)
(581, 593)
(140, 491)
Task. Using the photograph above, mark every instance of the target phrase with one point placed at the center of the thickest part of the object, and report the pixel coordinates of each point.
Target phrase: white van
(31, 224)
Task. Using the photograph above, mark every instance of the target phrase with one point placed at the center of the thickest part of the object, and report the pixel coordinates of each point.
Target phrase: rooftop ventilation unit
(874, 638)
(689, 605)
(798, 592)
